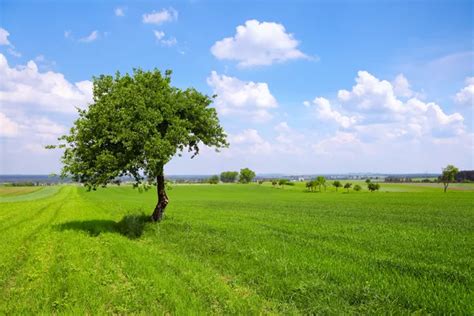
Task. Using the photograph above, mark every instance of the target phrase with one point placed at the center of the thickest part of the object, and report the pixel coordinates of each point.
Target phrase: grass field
(13, 191)
(238, 249)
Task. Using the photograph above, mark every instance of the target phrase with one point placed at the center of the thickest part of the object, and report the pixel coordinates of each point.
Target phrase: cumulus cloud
(160, 17)
(252, 100)
(401, 86)
(466, 94)
(4, 34)
(325, 111)
(375, 112)
(27, 87)
(4, 37)
(8, 128)
(258, 44)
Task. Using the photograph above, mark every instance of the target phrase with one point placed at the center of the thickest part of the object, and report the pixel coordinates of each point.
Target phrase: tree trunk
(162, 198)
(445, 186)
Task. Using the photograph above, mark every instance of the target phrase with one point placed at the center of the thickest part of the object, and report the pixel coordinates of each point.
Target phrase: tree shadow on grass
(130, 226)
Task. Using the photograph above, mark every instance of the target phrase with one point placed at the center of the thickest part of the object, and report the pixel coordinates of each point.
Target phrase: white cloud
(258, 44)
(94, 35)
(159, 34)
(119, 11)
(169, 41)
(26, 87)
(401, 86)
(466, 94)
(244, 98)
(374, 112)
(341, 143)
(160, 37)
(325, 112)
(67, 34)
(4, 34)
(249, 141)
(8, 128)
(4, 37)
(13, 52)
(165, 15)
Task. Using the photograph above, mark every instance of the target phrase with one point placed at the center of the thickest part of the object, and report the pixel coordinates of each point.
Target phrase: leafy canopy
(449, 174)
(135, 125)
(229, 176)
(246, 175)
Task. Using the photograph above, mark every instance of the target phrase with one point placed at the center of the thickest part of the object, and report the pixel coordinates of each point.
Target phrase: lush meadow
(247, 249)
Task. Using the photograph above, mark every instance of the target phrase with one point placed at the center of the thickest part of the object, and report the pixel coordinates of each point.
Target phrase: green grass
(13, 191)
(17, 194)
(239, 249)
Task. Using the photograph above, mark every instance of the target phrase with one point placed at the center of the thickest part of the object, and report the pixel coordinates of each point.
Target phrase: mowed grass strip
(13, 191)
(233, 249)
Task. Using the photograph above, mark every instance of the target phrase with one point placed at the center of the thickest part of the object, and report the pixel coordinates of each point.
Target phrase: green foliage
(213, 180)
(134, 126)
(337, 184)
(367, 180)
(229, 176)
(274, 182)
(448, 175)
(235, 249)
(246, 175)
(321, 181)
(283, 182)
(357, 188)
(347, 186)
(373, 186)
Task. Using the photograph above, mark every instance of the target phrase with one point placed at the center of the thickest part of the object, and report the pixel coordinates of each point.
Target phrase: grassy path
(233, 249)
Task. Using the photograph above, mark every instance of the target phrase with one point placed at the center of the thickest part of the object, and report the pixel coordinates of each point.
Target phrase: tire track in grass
(22, 255)
(28, 218)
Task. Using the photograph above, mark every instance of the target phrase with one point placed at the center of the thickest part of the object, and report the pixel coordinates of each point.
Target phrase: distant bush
(229, 176)
(373, 186)
(357, 188)
(23, 184)
(213, 179)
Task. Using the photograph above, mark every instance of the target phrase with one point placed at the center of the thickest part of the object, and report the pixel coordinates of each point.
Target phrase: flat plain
(238, 249)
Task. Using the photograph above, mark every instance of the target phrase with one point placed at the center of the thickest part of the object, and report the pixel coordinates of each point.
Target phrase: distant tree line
(245, 175)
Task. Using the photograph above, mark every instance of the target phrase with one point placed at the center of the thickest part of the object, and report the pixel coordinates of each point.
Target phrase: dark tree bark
(445, 186)
(162, 198)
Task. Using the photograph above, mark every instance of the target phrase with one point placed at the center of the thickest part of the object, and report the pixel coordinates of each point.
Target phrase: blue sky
(304, 86)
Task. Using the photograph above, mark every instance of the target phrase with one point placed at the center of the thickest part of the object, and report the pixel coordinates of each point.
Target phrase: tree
(357, 188)
(321, 181)
(229, 176)
(283, 182)
(134, 126)
(274, 182)
(213, 179)
(373, 186)
(246, 175)
(337, 184)
(367, 181)
(347, 186)
(448, 175)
